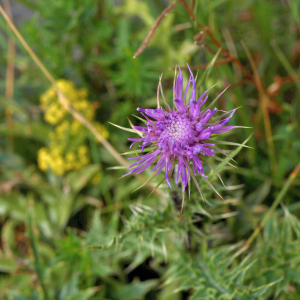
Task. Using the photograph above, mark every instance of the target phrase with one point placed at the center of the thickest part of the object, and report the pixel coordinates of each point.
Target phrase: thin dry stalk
(211, 51)
(192, 5)
(216, 42)
(153, 29)
(206, 30)
(279, 82)
(10, 72)
(65, 102)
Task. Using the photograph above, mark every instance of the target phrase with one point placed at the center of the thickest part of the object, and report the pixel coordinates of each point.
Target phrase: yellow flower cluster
(55, 112)
(54, 159)
(67, 150)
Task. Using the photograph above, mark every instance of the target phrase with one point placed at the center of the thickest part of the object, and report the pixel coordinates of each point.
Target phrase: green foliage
(84, 234)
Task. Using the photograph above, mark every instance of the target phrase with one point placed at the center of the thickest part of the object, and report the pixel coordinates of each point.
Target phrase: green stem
(36, 257)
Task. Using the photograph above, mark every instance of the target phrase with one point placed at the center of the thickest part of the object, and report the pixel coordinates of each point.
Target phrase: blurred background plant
(67, 150)
(70, 230)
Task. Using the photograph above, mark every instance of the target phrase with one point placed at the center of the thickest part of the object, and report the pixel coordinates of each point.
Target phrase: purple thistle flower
(181, 135)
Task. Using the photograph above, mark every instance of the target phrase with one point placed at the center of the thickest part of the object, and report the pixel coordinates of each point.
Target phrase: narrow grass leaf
(127, 129)
(211, 186)
(147, 181)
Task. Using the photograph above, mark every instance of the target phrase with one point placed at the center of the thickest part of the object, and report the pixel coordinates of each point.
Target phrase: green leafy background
(65, 237)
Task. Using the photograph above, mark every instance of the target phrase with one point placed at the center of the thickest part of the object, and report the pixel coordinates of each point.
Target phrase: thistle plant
(180, 136)
(74, 236)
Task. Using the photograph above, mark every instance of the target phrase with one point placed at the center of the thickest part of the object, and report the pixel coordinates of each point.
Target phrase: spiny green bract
(208, 273)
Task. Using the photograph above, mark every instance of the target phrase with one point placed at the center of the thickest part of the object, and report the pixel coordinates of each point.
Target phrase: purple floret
(180, 135)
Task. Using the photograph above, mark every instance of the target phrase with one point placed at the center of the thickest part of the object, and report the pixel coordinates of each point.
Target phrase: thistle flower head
(179, 136)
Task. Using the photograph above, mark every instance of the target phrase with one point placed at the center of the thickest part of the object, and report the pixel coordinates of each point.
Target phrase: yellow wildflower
(75, 126)
(57, 165)
(101, 129)
(67, 150)
(61, 129)
(97, 178)
(56, 151)
(43, 159)
(82, 150)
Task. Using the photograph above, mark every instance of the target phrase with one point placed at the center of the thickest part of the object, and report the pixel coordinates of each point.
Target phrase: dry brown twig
(216, 42)
(206, 31)
(153, 28)
(279, 82)
(200, 40)
(66, 104)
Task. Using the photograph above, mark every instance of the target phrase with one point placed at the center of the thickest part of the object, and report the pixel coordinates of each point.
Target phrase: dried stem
(66, 103)
(216, 42)
(153, 29)
(192, 5)
(199, 40)
(208, 49)
(204, 28)
(279, 82)
(206, 31)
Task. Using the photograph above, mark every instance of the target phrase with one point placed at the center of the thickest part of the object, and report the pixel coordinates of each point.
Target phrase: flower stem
(38, 266)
